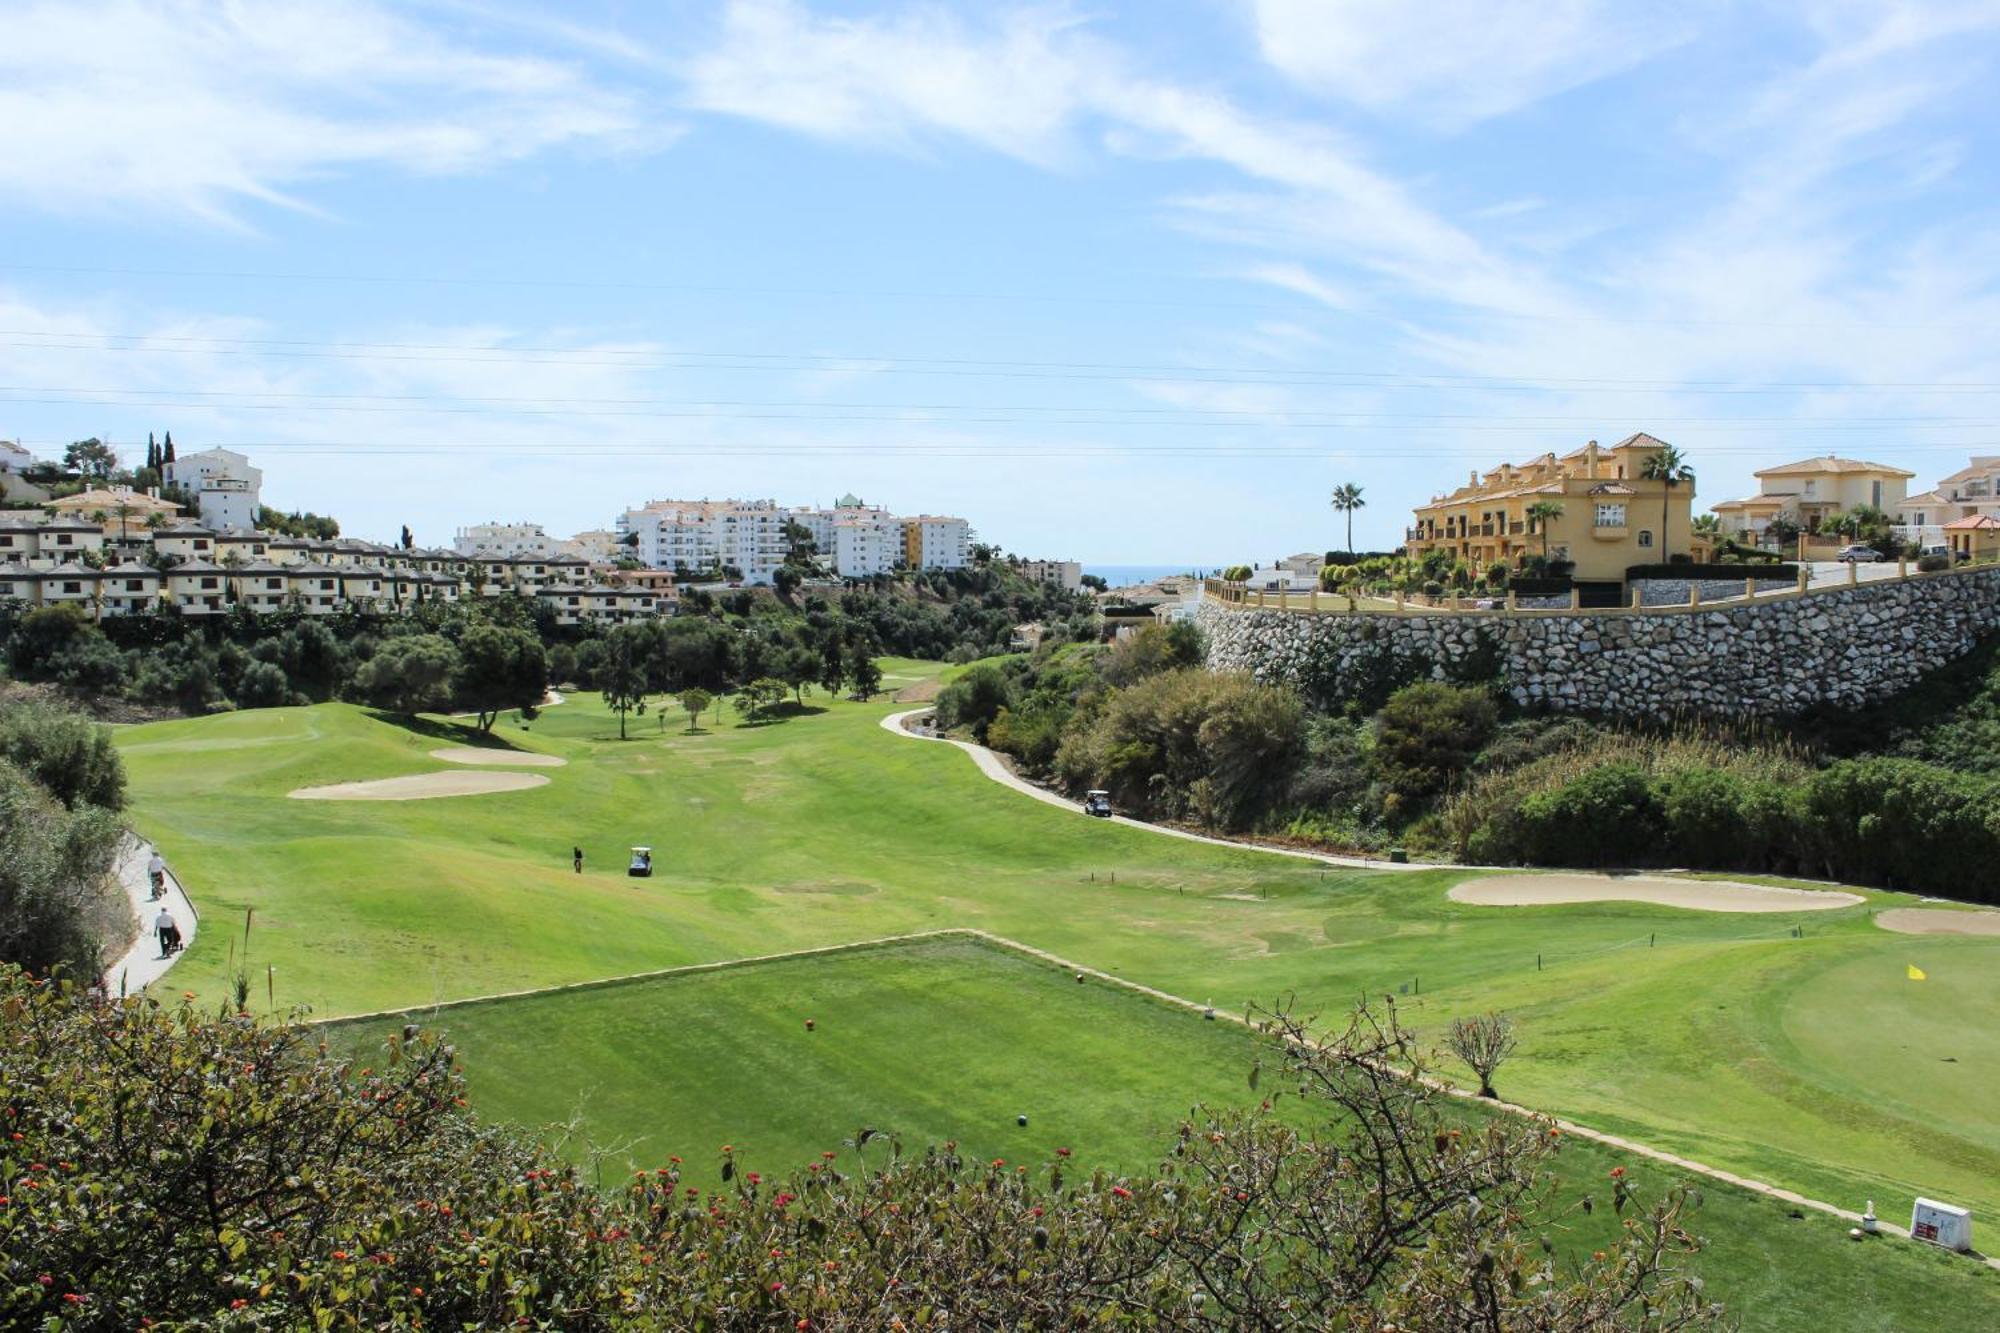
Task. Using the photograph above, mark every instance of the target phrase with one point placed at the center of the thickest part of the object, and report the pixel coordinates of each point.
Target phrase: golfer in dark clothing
(576, 859)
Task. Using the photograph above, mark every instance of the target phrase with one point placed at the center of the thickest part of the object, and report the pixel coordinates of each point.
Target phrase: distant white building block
(1941, 1224)
(226, 489)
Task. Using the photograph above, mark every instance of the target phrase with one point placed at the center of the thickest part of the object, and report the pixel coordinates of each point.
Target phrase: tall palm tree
(1541, 513)
(1669, 466)
(1347, 499)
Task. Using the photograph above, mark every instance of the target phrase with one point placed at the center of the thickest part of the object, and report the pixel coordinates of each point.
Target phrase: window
(207, 584)
(1610, 515)
(1811, 487)
(72, 587)
(1645, 537)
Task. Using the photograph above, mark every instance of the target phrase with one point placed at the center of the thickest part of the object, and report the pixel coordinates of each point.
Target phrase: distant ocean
(1122, 576)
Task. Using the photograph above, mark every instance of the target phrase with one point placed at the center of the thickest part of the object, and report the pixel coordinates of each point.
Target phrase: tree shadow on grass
(443, 729)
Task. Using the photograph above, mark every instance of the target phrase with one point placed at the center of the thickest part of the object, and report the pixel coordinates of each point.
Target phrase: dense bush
(975, 699)
(1428, 734)
(1213, 746)
(65, 752)
(173, 1170)
(60, 783)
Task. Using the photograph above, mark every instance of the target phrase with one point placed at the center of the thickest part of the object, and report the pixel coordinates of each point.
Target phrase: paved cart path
(142, 964)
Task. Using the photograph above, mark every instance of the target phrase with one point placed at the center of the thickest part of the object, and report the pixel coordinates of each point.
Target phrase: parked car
(1859, 554)
(1097, 804)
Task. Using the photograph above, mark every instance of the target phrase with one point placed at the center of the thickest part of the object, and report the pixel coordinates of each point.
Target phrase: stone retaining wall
(1844, 648)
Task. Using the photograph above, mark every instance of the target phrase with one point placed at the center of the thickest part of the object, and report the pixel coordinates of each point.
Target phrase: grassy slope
(952, 1040)
(1810, 1062)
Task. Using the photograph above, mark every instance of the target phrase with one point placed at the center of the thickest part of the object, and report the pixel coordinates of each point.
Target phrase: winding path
(142, 964)
(993, 766)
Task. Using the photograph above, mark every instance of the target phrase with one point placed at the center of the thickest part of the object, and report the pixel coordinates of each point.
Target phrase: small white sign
(1941, 1224)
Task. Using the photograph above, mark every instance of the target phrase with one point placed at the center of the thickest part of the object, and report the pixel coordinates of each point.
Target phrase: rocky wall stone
(1844, 647)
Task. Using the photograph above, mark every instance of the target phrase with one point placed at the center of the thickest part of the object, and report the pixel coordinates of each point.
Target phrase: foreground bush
(163, 1168)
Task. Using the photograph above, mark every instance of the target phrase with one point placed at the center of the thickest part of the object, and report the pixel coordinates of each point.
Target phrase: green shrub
(1427, 735)
(975, 699)
(65, 752)
(1215, 746)
(1605, 816)
(58, 907)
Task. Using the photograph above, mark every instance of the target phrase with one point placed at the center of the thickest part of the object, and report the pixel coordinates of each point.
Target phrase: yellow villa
(1611, 515)
(1807, 493)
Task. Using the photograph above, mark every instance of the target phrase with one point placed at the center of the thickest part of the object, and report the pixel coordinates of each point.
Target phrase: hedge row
(1689, 570)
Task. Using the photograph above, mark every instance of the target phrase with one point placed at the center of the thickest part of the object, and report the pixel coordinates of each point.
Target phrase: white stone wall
(1843, 648)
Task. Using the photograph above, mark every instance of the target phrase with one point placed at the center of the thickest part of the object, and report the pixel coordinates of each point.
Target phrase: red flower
(753, 1177)
(1618, 1173)
(1121, 1191)
(46, 1280)
(416, 1291)
(72, 1298)
(1062, 1152)
(999, 1162)
(238, 1303)
(340, 1254)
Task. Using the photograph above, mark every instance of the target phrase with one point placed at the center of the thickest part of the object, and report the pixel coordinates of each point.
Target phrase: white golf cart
(642, 863)
(1097, 804)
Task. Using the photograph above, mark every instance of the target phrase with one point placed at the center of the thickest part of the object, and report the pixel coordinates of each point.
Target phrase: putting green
(1676, 1028)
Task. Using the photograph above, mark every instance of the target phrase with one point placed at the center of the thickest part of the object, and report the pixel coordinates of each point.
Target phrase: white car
(1859, 554)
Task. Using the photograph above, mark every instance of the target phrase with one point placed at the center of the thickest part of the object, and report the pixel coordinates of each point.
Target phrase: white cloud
(138, 104)
(1452, 62)
(903, 80)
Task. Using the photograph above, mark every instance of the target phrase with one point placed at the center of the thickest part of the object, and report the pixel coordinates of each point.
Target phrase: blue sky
(1133, 283)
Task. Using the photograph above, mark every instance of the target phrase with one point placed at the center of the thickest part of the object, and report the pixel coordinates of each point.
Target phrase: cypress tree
(167, 455)
(152, 452)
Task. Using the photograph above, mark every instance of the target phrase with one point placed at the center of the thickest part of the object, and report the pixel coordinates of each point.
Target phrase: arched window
(1645, 536)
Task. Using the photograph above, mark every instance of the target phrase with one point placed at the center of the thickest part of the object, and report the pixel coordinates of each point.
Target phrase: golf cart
(1097, 804)
(642, 863)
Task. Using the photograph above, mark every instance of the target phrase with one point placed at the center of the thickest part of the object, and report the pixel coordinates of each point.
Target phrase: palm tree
(1708, 525)
(1541, 513)
(1347, 499)
(1669, 466)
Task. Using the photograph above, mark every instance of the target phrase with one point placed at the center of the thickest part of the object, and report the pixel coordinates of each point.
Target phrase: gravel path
(142, 965)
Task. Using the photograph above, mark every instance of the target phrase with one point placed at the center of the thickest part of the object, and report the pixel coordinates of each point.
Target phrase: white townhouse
(227, 490)
(62, 540)
(198, 588)
(72, 583)
(263, 586)
(18, 583)
(857, 540)
(128, 589)
(315, 587)
(185, 541)
(1971, 492)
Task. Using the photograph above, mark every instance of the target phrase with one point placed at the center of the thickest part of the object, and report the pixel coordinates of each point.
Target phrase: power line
(613, 358)
(1009, 297)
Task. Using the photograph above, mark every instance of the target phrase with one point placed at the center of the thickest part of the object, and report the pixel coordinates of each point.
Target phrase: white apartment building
(689, 536)
(227, 490)
(1067, 574)
(937, 541)
(503, 540)
(597, 546)
(858, 540)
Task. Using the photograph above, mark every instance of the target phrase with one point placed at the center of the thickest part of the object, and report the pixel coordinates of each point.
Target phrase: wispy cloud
(201, 108)
(1452, 62)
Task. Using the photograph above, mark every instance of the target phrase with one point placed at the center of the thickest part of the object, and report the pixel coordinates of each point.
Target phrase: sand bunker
(472, 754)
(421, 787)
(1938, 921)
(1699, 894)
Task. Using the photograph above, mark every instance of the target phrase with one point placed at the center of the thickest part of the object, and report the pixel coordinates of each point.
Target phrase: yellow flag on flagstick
(1917, 973)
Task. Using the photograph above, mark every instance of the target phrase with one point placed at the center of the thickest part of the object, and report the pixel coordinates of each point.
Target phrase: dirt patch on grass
(421, 787)
(842, 888)
(473, 754)
(1938, 921)
(1701, 895)
(920, 693)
